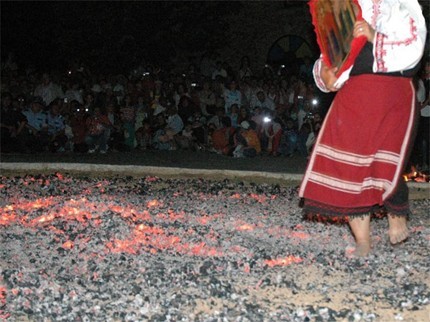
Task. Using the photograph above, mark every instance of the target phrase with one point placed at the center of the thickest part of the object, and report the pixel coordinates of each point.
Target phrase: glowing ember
(283, 261)
(245, 227)
(95, 249)
(68, 244)
(416, 176)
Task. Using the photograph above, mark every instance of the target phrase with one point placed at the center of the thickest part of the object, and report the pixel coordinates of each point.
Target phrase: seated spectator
(198, 122)
(186, 107)
(223, 139)
(303, 138)
(12, 124)
(244, 115)
(181, 91)
(232, 95)
(234, 115)
(186, 139)
(37, 126)
(115, 133)
(215, 122)
(262, 102)
(271, 135)
(142, 110)
(247, 142)
(48, 90)
(73, 92)
(56, 128)
(219, 71)
(207, 99)
(144, 135)
(245, 68)
(78, 124)
(164, 138)
(128, 117)
(288, 144)
(98, 125)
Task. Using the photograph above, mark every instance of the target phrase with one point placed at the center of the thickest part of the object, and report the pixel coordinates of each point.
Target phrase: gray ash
(152, 249)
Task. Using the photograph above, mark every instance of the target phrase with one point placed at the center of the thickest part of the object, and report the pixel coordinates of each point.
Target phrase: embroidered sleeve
(317, 76)
(400, 39)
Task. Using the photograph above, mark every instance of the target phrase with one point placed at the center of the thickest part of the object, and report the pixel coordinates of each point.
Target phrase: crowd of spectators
(238, 112)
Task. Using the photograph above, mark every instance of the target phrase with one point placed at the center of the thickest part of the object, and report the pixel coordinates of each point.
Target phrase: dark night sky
(54, 32)
(50, 34)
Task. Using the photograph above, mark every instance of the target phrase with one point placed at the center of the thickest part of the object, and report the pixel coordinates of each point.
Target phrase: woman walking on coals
(357, 163)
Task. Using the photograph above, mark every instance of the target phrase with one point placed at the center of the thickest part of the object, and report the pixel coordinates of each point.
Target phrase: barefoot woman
(357, 163)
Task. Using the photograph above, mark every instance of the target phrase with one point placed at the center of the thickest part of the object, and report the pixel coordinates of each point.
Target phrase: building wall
(259, 24)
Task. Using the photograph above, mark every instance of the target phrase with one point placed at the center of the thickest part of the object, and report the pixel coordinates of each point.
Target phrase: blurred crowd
(237, 112)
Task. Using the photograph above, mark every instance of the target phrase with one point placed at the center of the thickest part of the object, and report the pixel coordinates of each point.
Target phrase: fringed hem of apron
(314, 210)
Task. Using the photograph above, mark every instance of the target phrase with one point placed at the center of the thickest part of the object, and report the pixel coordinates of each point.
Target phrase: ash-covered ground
(151, 249)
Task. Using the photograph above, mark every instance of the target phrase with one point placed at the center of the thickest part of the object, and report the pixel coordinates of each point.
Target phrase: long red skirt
(360, 154)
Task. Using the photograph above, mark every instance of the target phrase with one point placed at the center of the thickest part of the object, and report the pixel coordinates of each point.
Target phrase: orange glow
(245, 227)
(283, 261)
(68, 244)
(415, 175)
(153, 203)
(236, 196)
(300, 235)
(259, 198)
(6, 219)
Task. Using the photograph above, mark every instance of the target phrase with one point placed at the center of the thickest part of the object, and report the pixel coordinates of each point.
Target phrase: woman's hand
(362, 28)
(328, 76)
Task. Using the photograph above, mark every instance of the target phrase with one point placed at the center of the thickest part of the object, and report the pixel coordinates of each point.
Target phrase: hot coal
(151, 249)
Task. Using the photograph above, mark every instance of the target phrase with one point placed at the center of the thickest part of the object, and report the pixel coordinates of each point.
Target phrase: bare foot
(359, 251)
(360, 227)
(398, 229)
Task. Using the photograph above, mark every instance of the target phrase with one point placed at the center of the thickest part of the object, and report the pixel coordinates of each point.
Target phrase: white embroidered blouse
(400, 34)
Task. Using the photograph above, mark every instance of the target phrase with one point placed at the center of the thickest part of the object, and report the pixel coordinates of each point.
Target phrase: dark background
(118, 35)
(49, 34)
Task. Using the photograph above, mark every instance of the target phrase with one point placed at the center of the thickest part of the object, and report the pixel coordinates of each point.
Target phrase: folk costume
(357, 163)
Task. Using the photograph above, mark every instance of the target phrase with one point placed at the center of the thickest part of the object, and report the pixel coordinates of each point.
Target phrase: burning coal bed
(151, 249)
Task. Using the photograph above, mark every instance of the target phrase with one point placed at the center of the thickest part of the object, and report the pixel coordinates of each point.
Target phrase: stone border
(417, 190)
